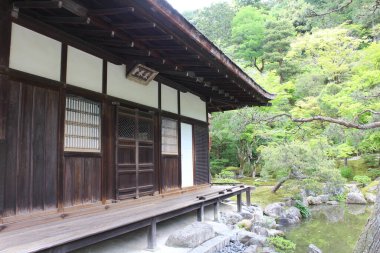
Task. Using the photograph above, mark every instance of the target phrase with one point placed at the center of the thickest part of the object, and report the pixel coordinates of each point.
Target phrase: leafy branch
(341, 122)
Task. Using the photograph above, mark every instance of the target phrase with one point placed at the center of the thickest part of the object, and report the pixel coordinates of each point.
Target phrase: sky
(188, 5)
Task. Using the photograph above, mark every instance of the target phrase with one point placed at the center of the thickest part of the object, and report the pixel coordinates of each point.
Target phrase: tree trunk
(279, 184)
(345, 162)
(369, 241)
(254, 171)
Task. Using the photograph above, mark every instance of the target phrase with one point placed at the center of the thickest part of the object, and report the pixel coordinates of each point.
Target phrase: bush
(217, 165)
(364, 180)
(282, 245)
(226, 174)
(232, 169)
(340, 197)
(304, 210)
(219, 180)
(374, 173)
(371, 160)
(347, 172)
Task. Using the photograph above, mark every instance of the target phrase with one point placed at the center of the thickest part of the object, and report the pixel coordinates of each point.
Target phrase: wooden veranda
(77, 228)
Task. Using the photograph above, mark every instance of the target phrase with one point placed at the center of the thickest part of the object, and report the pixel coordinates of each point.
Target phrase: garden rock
(246, 215)
(356, 198)
(191, 236)
(324, 198)
(352, 188)
(245, 236)
(294, 215)
(314, 200)
(275, 210)
(314, 249)
(260, 230)
(332, 203)
(268, 250)
(266, 221)
(231, 218)
(275, 232)
(370, 197)
(251, 249)
(257, 240)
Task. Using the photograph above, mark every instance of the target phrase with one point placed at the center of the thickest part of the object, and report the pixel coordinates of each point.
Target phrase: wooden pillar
(248, 196)
(239, 202)
(216, 211)
(5, 31)
(201, 214)
(152, 235)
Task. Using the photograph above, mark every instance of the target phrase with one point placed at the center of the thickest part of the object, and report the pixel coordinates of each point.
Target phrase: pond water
(334, 229)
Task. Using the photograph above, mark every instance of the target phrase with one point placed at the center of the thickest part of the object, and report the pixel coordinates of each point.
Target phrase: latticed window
(82, 125)
(169, 137)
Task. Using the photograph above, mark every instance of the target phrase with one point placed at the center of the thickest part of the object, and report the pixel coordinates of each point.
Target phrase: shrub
(217, 165)
(340, 197)
(219, 180)
(347, 172)
(371, 160)
(364, 180)
(283, 245)
(374, 173)
(304, 210)
(226, 174)
(232, 169)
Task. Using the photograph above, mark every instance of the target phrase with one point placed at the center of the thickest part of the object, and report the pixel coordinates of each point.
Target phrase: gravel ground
(234, 247)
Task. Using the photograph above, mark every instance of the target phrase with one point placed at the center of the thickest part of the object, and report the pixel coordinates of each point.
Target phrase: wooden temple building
(104, 120)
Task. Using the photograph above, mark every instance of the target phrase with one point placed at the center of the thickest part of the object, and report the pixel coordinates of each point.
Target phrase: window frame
(95, 121)
(164, 152)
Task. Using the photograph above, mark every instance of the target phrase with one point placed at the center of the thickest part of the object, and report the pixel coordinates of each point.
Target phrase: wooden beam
(153, 37)
(109, 12)
(38, 4)
(216, 212)
(169, 48)
(129, 51)
(68, 20)
(248, 196)
(201, 213)
(239, 202)
(132, 26)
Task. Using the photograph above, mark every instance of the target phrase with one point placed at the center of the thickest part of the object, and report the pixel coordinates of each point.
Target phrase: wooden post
(152, 235)
(201, 214)
(239, 202)
(248, 196)
(216, 211)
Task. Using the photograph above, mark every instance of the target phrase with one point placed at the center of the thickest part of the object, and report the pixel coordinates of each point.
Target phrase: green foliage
(226, 174)
(347, 172)
(217, 165)
(374, 173)
(304, 210)
(340, 197)
(364, 180)
(371, 160)
(219, 180)
(281, 244)
(248, 33)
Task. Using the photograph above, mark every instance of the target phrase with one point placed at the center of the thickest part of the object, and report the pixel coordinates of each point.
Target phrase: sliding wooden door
(135, 170)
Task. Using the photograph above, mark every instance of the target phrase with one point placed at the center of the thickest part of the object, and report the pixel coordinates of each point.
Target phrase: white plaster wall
(35, 53)
(84, 70)
(169, 99)
(187, 171)
(119, 86)
(193, 107)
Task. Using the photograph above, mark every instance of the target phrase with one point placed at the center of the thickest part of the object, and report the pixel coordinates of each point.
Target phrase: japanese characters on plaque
(142, 74)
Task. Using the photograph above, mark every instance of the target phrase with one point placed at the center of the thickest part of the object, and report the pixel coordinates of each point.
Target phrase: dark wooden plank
(68, 186)
(5, 31)
(38, 149)
(51, 152)
(4, 100)
(12, 136)
(78, 180)
(24, 172)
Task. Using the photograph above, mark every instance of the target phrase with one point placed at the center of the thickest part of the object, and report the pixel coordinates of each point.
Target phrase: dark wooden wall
(28, 147)
(170, 172)
(82, 182)
(201, 155)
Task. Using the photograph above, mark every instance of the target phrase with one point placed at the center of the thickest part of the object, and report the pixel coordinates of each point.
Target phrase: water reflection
(332, 228)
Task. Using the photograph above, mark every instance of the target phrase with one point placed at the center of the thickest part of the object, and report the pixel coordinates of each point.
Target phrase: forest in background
(322, 60)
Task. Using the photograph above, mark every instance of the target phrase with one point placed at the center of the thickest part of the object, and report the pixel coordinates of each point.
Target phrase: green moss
(282, 245)
(369, 186)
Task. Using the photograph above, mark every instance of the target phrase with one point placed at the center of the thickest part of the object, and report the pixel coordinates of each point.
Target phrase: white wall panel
(119, 86)
(187, 168)
(84, 70)
(193, 107)
(35, 53)
(169, 99)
